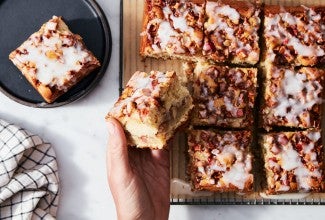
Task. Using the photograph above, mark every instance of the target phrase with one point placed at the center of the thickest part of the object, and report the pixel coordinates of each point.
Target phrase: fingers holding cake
(117, 153)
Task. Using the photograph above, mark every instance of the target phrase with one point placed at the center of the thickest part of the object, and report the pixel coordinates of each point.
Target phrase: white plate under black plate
(19, 19)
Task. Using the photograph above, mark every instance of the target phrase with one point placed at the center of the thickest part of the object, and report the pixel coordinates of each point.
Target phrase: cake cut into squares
(294, 35)
(220, 161)
(231, 32)
(152, 106)
(292, 98)
(223, 96)
(293, 161)
(172, 29)
(54, 59)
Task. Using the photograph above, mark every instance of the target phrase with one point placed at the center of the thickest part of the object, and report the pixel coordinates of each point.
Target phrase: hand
(138, 178)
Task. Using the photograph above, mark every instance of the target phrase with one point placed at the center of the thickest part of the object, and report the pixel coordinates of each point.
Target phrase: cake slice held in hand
(152, 106)
(54, 59)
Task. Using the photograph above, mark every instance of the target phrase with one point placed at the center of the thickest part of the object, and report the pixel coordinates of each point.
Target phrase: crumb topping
(222, 93)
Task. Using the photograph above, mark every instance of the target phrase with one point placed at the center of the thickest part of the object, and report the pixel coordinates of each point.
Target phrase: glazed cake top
(53, 55)
(175, 26)
(294, 153)
(293, 93)
(225, 153)
(235, 29)
(302, 31)
(223, 92)
(142, 92)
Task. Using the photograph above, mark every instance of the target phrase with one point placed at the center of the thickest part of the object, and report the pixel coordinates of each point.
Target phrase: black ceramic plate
(19, 19)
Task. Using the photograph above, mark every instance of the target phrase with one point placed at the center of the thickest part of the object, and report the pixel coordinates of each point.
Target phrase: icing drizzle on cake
(175, 32)
(143, 90)
(232, 36)
(52, 56)
(227, 157)
(305, 37)
(290, 156)
(296, 95)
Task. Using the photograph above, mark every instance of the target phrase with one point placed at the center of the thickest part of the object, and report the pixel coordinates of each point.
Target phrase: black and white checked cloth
(29, 181)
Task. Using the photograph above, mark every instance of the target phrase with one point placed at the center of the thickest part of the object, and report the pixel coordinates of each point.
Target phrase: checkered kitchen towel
(29, 183)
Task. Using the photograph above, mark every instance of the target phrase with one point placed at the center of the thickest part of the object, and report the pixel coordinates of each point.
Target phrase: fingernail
(110, 127)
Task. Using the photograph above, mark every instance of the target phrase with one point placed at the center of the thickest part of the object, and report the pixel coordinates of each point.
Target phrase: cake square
(54, 59)
(152, 106)
(223, 96)
(294, 35)
(292, 98)
(231, 32)
(293, 161)
(220, 161)
(172, 29)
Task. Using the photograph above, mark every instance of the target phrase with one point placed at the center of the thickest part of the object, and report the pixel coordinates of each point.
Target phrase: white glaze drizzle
(239, 172)
(144, 92)
(227, 11)
(293, 84)
(168, 38)
(229, 106)
(290, 160)
(307, 47)
(217, 23)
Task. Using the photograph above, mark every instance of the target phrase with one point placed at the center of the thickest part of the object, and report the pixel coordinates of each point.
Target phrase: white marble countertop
(78, 134)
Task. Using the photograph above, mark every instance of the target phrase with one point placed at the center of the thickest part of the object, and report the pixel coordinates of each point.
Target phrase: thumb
(117, 152)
